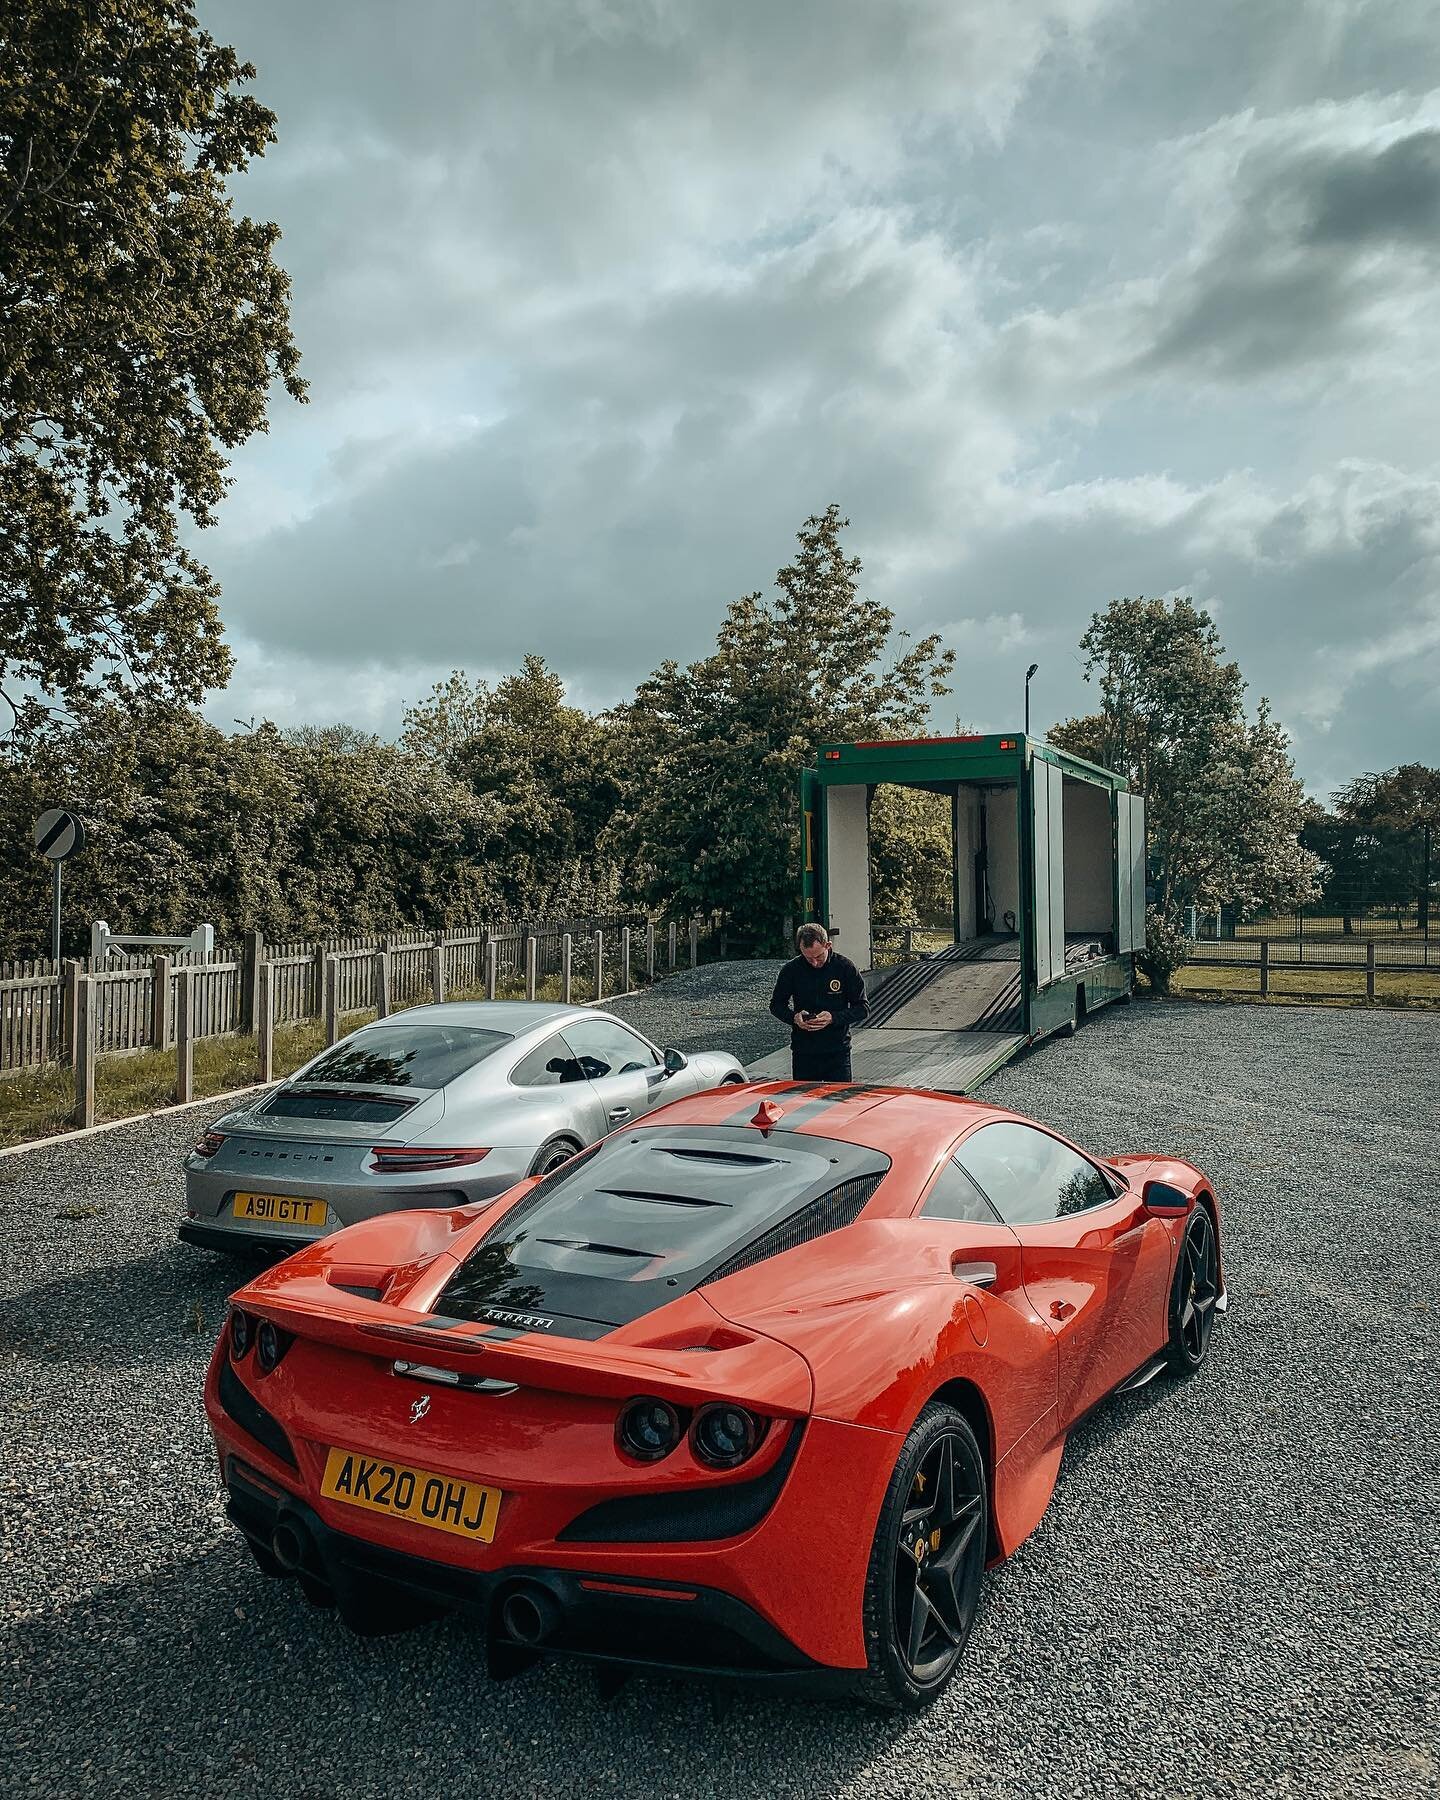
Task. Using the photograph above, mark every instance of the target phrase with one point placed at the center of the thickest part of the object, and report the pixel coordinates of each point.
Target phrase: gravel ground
(1233, 1591)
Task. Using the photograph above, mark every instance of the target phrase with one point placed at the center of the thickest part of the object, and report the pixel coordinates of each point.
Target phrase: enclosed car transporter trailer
(1048, 899)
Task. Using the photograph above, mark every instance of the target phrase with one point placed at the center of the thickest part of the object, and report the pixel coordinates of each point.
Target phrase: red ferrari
(761, 1385)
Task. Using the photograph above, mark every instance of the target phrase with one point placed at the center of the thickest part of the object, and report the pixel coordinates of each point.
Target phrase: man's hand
(818, 1021)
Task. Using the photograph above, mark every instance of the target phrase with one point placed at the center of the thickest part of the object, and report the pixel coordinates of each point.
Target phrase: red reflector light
(390, 1160)
(637, 1587)
(1007, 743)
(832, 756)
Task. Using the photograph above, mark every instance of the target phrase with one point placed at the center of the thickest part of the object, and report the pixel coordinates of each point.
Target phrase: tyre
(1193, 1294)
(551, 1154)
(926, 1563)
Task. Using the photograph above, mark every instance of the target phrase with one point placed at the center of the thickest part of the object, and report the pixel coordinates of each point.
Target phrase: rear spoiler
(759, 1372)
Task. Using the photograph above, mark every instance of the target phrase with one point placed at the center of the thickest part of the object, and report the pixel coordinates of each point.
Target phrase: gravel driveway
(1233, 1592)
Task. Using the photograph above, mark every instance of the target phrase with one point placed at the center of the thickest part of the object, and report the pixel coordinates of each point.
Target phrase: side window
(955, 1196)
(1028, 1176)
(604, 1048)
(552, 1064)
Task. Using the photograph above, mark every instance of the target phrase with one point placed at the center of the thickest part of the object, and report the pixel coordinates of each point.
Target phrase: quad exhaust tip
(290, 1546)
(529, 1615)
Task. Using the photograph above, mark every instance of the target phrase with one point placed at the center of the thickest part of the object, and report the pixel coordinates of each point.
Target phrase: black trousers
(819, 1062)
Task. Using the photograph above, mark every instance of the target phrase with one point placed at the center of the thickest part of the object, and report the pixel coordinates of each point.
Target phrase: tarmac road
(1233, 1592)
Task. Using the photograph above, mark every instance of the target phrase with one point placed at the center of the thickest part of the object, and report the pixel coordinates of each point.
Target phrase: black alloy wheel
(551, 1155)
(1197, 1288)
(926, 1563)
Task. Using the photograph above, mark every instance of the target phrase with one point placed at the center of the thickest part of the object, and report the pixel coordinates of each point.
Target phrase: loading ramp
(945, 1021)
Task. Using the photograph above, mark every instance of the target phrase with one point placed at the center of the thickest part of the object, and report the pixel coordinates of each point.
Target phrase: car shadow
(184, 1680)
(153, 1309)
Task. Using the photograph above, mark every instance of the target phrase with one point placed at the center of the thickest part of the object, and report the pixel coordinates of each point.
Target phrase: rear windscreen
(645, 1219)
(398, 1055)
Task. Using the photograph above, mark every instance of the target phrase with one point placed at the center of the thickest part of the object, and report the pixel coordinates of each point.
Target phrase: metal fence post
(382, 984)
(84, 1050)
(332, 999)
(694, 942)
(492, 959)
(1264, 965)
(160, 1001)
(531, 948)
(185, 1036)
(673, 952)
(437, 971)
(1370, 970)
(567, 969)
(649, 950)
(252, 955)
(624, 959)
(599, 965)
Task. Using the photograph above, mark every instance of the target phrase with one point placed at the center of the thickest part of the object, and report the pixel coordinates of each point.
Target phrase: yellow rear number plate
(279, 1209)
(416, 1495)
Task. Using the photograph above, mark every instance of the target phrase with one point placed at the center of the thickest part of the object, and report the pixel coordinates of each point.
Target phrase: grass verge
(39, 1103)
(1310, 987)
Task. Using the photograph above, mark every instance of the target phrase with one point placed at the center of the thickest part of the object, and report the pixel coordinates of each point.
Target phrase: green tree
(141, 326)
(1223, 805)
(1380, 846)
(552, 769)
(715, 750)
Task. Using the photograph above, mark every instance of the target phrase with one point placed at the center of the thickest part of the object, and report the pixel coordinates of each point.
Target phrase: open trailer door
(811, 797)
(1047, 818)
(1129, 872)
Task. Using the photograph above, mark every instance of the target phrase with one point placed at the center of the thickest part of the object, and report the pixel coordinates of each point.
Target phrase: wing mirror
(675, 1061)
(1164, 1201)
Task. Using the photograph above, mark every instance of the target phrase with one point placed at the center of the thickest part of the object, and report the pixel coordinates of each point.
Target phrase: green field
(1309, 987)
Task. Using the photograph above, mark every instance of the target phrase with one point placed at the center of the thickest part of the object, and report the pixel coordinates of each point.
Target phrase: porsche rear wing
(757, 1371)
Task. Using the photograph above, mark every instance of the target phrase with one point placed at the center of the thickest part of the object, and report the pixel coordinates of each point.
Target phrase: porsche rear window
(646, 1218)
(398, 1055)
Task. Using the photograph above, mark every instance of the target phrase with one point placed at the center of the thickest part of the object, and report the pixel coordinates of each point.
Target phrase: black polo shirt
(835, 987)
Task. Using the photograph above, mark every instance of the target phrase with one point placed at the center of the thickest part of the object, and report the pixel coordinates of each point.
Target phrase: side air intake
(843, 1205)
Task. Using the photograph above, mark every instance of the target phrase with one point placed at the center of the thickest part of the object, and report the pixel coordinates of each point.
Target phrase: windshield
(398, 1055)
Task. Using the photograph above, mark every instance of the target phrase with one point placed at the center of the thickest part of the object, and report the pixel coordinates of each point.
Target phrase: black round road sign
(59, 834)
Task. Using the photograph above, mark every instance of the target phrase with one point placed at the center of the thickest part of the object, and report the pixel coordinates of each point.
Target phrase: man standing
(820, 995)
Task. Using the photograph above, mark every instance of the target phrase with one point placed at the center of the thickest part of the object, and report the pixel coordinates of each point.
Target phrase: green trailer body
(1048, 898)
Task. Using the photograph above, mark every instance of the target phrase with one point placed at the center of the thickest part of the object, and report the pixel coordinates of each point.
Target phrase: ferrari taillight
(393, 1160)
(648, 1429)
(724, 1435)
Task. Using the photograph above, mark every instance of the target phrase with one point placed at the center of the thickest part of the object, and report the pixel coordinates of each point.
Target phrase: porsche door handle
(978, 1274)
(617, 1113)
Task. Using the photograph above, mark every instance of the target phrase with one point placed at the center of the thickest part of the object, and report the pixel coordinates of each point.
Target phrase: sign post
(58, 834)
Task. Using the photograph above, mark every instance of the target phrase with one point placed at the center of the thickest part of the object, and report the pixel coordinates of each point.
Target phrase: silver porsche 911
(435, 1106)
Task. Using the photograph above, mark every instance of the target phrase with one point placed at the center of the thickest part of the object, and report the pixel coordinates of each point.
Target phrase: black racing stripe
(748, 1110)
(812, 1109)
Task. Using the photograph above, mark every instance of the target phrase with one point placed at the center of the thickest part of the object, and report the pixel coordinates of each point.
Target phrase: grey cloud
(1390, 197)
(1318, 239)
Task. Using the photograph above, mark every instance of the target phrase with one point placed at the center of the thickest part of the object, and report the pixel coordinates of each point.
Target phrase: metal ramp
(945, 1022)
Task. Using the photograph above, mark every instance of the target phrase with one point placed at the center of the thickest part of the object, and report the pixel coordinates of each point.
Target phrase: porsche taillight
(388, 1159)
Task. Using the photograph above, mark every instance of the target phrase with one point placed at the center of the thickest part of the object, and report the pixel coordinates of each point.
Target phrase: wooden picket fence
(158, 1002)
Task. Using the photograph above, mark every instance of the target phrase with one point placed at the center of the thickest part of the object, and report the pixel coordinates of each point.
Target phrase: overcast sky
(1059, 299)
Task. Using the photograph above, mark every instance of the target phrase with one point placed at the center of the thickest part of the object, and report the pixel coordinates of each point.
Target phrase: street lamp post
(1028, 673)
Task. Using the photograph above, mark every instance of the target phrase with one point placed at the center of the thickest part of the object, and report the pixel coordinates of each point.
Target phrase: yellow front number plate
(463, 1507)
(279, 1209)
